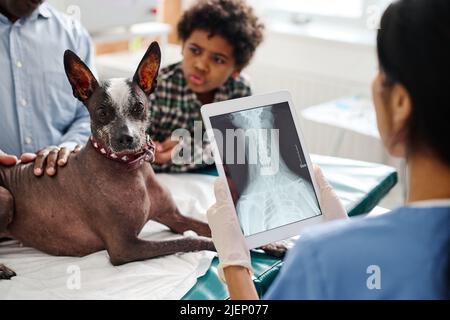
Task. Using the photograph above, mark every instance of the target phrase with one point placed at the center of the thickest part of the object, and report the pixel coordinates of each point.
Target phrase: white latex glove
(332, 207)
(226, 232)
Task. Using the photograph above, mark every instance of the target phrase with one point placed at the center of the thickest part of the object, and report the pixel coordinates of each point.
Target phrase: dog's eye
(137, 109)
(101, 113)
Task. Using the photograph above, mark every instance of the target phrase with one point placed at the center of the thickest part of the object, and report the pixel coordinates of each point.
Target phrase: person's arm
(160, 127)
(234, 257)
(240, 283)
(79, 131)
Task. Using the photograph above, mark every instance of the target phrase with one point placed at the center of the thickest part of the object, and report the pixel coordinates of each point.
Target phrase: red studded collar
(132, 161)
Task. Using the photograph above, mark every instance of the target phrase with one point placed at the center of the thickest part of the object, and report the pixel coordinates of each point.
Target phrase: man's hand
(27, 157)
(10, 160)
(52, 157)
(7, 159)
(164, 150)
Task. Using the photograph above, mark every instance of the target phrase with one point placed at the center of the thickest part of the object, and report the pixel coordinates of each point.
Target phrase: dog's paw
(6, 273)
(211, 247)
(206, 244)
(276, 249)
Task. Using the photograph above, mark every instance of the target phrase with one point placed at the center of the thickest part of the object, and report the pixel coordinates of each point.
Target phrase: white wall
(315, 65)
(102, 15)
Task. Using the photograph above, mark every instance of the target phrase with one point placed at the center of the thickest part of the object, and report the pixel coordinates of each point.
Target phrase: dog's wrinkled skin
(95, 203)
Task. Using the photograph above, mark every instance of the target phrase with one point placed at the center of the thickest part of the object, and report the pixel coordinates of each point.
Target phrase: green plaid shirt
(174, 106)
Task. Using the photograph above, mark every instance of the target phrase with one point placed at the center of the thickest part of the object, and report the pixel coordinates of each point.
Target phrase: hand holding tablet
(225, 226)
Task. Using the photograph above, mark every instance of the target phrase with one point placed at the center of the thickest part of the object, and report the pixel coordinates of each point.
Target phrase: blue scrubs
(403, 254)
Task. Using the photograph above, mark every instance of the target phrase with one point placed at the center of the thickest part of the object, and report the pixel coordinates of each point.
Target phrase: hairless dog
(108, 191)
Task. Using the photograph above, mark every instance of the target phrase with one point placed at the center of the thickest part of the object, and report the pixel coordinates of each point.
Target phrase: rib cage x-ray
(272, 194)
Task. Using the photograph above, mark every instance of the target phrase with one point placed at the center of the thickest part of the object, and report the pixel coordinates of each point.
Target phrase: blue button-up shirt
(37, 107)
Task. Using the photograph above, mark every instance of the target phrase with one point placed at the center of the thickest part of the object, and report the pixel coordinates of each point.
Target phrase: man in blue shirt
(39, 113)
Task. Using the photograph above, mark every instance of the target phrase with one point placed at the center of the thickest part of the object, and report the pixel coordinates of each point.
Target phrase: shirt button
(28, 140)
(19, 64)
(23, 102)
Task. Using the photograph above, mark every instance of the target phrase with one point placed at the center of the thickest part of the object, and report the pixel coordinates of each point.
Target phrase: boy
(218, 40)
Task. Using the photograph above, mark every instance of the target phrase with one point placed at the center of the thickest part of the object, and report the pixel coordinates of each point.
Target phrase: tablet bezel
(251, 102)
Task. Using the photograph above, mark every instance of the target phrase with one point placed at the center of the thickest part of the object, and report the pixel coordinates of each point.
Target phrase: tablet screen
(265, 167)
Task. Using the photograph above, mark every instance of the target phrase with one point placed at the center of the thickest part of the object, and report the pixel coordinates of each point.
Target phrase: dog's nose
(126, 140)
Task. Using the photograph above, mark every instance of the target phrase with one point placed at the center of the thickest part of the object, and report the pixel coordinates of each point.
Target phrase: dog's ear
(148, 68)
(80, 77)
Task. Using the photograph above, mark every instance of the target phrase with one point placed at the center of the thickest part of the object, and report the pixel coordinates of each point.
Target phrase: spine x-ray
(266, 168)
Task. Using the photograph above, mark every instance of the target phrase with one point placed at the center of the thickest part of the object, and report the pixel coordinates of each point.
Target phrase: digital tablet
(259, 149)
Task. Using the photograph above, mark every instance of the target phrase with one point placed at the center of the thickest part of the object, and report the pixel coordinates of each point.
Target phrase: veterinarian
(38, 112)
(403, 254)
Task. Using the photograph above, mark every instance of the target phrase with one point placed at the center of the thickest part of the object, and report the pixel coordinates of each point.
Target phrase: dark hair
(414, 50)
(233, 20)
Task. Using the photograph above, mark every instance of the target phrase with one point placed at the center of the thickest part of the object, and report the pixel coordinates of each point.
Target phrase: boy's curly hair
(233, 20)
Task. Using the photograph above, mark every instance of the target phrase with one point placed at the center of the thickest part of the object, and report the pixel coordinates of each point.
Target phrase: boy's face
(208, 62)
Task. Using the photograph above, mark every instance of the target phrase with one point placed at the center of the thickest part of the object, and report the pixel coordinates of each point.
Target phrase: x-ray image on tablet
(266, 168)
(259, 149)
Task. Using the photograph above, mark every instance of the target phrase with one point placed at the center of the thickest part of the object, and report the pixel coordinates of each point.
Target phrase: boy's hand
(164, 150)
